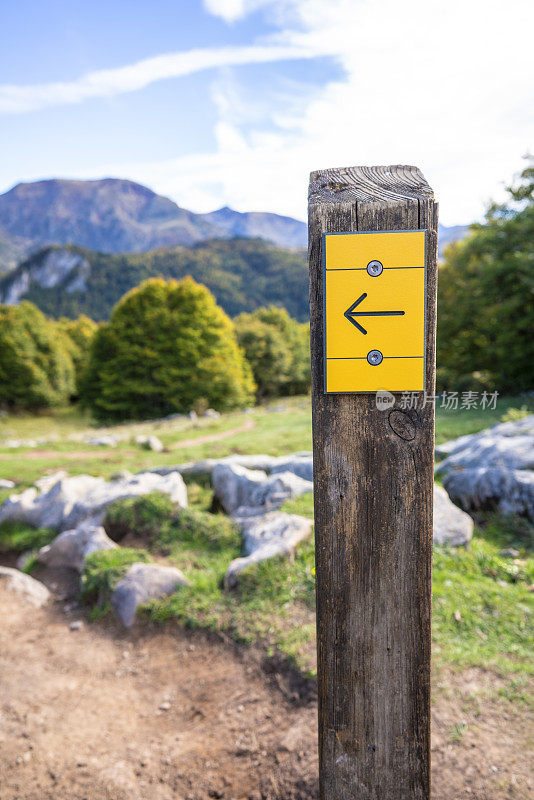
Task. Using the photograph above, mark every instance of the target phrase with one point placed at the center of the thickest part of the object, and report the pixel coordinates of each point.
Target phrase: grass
(19, 537)
(482, 606)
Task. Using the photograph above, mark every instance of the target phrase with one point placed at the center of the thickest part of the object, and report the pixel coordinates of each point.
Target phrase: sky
(234, 102)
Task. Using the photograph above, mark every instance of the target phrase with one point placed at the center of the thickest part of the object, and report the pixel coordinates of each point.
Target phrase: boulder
(236, 486)
(508, 444)
(510, 491)
(64, 502)
(144, 582)
(28, 588)
(300, 464)
(266, 536)
(452, 526)
(149, 443)
(6, 484)
(71, 548)
(106, 440)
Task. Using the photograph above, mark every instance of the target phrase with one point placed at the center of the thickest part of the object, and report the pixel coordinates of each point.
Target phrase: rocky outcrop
(299, 463)
(509, 491)
(71, 548)
(452, 526)
(507, 445)
(493, 469)
(64, 502)
(27, 588)
(266, 536)
(149, 443)
(144, 582)
(236, 486)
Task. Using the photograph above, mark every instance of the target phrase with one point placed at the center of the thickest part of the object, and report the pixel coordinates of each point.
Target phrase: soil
(99, 713)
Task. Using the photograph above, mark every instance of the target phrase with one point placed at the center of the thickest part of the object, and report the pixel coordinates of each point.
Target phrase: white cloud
(130, 78)
(443, 86)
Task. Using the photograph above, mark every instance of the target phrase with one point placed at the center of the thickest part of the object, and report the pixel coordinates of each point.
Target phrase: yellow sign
(374, 311)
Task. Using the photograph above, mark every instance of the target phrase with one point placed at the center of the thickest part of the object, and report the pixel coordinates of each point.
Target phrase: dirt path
(100, 714)
(77, 455)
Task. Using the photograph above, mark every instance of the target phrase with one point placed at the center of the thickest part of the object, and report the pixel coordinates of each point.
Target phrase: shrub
(78, 334)
(36, 366)
(278, 350)
(486, 300)
(166, 345)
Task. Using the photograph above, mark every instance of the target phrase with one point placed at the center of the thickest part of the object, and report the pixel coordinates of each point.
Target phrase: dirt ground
(97, 713)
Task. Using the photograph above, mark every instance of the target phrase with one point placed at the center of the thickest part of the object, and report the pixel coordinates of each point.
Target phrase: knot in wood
(403, 424)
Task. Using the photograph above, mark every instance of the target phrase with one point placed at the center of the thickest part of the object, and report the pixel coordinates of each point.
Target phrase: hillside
(243, 274)
(119, 216)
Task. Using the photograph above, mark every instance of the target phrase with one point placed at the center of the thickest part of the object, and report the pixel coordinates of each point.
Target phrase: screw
(374, 357)
(375, 268)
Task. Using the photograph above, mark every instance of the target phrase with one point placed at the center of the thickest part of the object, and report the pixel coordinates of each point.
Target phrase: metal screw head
(374, 357)
(375, 268)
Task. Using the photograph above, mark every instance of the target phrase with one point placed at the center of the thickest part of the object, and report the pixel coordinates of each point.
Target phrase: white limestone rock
(510, 491)
(452, 526)
(71, 548)
(63, 503)
(236, 486)
(266, 536)
(30, 590)
(507, 445)
(144, 582)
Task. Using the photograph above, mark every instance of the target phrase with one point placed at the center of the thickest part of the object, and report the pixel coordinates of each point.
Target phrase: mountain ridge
(116, 215)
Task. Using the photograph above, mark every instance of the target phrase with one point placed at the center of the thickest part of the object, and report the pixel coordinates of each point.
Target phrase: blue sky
(233, 102)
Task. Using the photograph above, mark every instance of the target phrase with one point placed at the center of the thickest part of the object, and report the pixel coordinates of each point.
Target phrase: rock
(210, 412)
(144, 582)
(266, 536)
(236, 486)
(15, 443)
(150, 443)
(298, 464)
(121, 475)
(107, 440)
(510, 491)
(452, 526)
(47, 481)
(193, 415)
(509, 552)
(76, 625)
(28, 588)
(5, 484)
(64, 502)
(71, 548)
(507, 444)
(269, 464)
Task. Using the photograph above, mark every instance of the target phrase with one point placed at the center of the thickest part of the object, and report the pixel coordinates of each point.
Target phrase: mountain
(243, 274)
(285, 231)
(448, 235)
(120, 216)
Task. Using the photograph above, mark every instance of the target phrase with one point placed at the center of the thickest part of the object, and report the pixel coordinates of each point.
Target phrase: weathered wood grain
(373, 474)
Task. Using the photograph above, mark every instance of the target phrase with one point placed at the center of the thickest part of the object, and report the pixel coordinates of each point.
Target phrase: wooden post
(373, 476)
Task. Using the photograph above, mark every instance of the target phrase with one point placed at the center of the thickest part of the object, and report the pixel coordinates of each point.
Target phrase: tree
(278, 350)
(78, 334)
(36, 368)
(167, 346)
(486, 300)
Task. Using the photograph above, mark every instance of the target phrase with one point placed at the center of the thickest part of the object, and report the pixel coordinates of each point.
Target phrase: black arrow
(350, 313)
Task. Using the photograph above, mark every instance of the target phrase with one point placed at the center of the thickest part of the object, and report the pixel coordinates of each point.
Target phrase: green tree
(486, 299)
(78, 335)
(36, 367)
(278, 349)
(167, 346)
